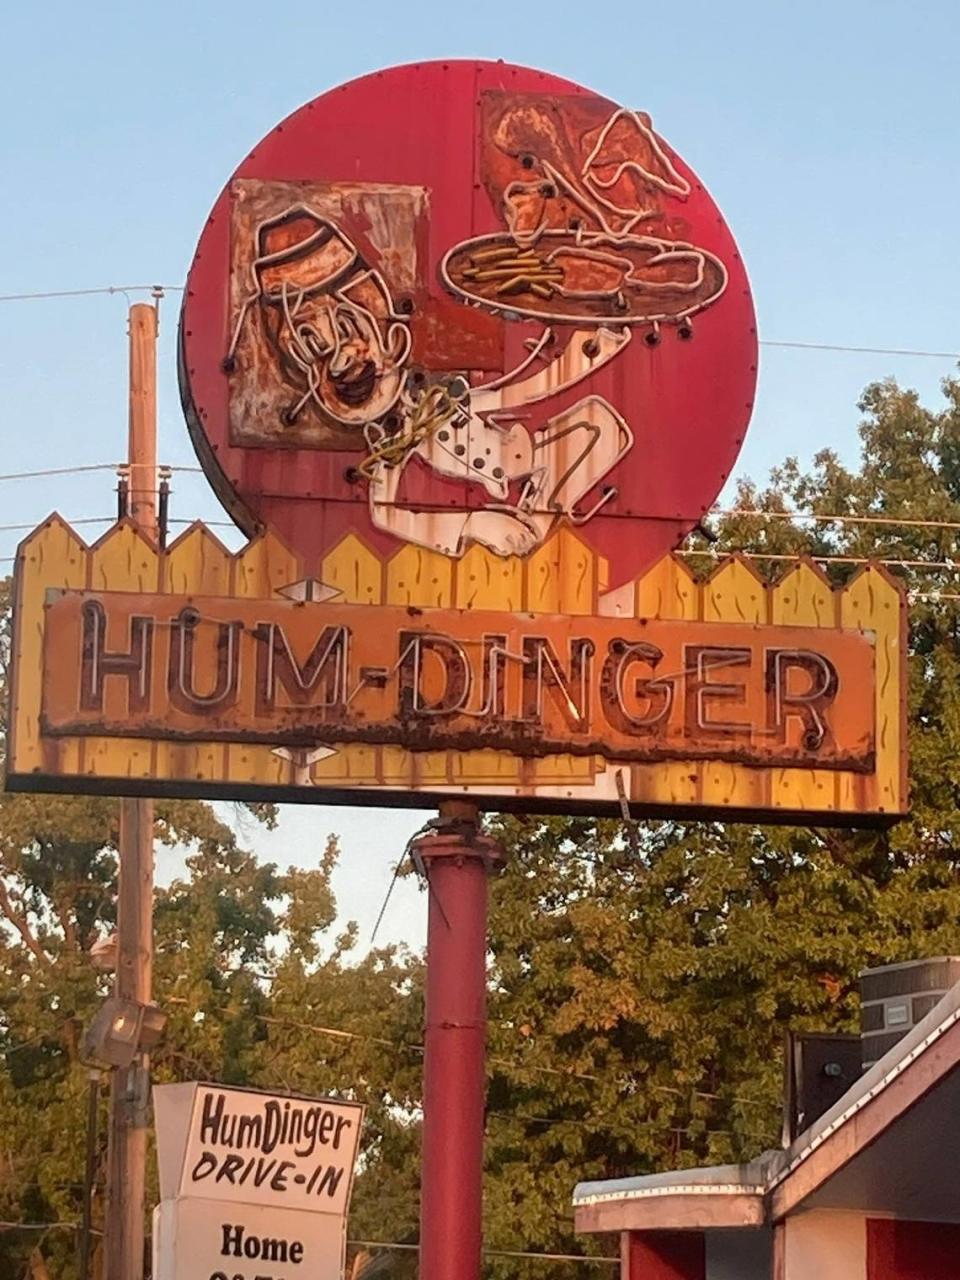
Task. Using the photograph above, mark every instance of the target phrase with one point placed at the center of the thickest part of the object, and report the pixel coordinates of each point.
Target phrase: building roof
(845, 1140)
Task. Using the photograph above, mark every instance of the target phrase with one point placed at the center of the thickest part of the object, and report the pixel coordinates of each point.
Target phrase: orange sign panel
(527, 685)
(534, 685)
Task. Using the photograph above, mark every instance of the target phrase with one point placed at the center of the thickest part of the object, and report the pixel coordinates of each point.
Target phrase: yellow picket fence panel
(563, 576)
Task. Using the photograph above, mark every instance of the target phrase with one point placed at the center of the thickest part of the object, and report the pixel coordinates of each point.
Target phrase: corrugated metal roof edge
(760, 1176)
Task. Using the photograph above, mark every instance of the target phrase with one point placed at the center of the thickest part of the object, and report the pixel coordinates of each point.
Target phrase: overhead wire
(210, 524)
(23, 1044)
(598, 1124)
(889, 562)
(790, 344)
(340, 1033)
(96, 466)
(20, 528)
(803, 517)
(799, 517)
(395, 1245)
(720, 513)
(43, 1226)
(85, 293)
(599, 1260)
(870, 351)
(59, 471)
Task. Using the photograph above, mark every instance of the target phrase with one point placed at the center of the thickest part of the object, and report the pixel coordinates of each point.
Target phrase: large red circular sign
(467, 303)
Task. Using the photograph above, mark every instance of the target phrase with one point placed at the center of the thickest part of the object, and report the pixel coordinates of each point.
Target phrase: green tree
(256, 980)
(642, 980)
(57, 897)
(256, 990)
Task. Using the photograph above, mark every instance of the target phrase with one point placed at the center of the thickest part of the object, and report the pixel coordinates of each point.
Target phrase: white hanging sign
(244, 1146)
(196, 1239)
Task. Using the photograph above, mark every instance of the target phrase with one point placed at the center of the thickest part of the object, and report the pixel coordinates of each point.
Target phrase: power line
(209, 524)
(94, 466)
(339, 1033)
(887, 562)
(720, 513)
(599, 1124)
(870, 351)
(157, 289)
(494, 1253)
(160, 289)
(926, 566)
(803, 517)
(24, 1044)
(799, 517)
(20, 528)
(40, 1226)
(908, 524)
(830, 558)
(59, 471)
(395, 1245)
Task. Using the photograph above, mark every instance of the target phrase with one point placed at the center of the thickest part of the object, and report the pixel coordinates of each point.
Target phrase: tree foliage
(641, 978)
(660, 971)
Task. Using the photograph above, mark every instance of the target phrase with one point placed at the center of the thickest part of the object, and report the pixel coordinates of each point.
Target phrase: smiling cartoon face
(320, 333)
(347, 348)
(330, 319)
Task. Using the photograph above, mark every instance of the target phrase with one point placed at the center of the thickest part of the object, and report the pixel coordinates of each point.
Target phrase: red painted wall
(667, 1255)
(912, 1250)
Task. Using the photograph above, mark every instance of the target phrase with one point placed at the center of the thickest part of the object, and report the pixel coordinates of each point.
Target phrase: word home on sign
(238, 1243)
(628, 689)
(201, 1239)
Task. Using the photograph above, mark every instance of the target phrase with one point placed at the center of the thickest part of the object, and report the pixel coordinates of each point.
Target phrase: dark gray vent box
(819, 1069)
(895, 997)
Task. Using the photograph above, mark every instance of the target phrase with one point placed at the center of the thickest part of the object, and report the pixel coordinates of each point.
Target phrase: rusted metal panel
(573, 712)
(184, 668)
(518, 312)
(572, 279)
(589, 198)
(310, 264)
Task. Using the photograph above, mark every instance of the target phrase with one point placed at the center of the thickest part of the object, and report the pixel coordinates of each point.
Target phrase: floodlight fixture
(120, 1030)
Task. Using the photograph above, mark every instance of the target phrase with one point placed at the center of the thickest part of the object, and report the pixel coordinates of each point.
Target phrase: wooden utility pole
(129, 1097)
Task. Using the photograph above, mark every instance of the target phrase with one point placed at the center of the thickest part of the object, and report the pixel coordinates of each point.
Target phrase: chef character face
(350, 347)
(331, 320)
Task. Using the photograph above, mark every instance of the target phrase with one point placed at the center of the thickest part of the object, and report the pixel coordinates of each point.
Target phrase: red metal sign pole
(456, 861)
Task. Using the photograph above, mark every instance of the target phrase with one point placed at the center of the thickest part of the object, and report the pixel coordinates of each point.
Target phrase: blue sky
(827, 132)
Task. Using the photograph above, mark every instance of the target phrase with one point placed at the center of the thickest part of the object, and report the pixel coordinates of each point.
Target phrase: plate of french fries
(568, 277)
